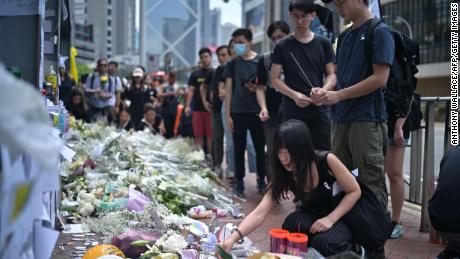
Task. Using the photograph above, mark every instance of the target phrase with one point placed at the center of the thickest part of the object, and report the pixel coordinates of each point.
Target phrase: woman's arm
(252, 221)
(349, 184)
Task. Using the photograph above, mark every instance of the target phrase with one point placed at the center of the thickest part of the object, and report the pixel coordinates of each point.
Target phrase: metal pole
(428, 166)
(142, 25)
(413, 165)
(418, 168)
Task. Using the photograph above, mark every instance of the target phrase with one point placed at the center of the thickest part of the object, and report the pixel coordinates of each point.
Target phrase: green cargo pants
(362, 145)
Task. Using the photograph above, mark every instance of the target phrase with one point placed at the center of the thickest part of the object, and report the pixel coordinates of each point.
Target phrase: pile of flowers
(120, 181)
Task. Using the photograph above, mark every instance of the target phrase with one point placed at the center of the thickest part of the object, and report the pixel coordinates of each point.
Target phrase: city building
(216, 27)
(83, 41)
(125, 27)
(112, 24)
(254, 17)
(227, 30)
(171, 33)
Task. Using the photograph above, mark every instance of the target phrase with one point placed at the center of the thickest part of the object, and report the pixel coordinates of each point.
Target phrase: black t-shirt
(169, 105)
(444, 206)
(312, 58)
(196, 79)
(272, 96)
(137, 97)
(243, 71)
(149, 93)
(212, 81)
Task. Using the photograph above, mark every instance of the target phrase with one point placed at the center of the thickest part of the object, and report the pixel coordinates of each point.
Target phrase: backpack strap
(369, 38)
(92, 81)
(340, 40)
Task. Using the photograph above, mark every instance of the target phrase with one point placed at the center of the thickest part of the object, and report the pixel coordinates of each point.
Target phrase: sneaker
(398, 231)
(238, 189)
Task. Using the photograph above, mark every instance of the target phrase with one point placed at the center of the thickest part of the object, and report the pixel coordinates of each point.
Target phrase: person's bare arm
(376, 81)
(203, 91)
(347, 181)
(188, 99)
(261, 100)
(222, 91)
(252, 221)
(300, 99)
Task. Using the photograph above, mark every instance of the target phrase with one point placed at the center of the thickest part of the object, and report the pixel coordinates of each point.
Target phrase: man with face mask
(268, 97)
(242, 108)
(307, 63)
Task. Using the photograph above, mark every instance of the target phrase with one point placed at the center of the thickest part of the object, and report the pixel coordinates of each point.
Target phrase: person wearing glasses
(100, 89)
(306, 60)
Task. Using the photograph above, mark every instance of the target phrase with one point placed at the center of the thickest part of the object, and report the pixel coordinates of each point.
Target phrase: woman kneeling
(307, 176)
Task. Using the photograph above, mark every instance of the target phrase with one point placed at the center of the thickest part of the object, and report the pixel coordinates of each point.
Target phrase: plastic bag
(137, 201)
(125, 240)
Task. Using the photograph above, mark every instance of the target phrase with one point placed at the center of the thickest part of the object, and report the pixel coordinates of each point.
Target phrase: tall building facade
(216, 27)
(171, 33)
(112, 24)
(227, 30)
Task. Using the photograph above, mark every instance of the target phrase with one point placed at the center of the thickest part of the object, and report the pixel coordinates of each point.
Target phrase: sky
(231, 11)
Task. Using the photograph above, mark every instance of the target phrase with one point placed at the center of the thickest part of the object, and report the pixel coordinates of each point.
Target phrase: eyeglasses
(276, 38)
(102, 65)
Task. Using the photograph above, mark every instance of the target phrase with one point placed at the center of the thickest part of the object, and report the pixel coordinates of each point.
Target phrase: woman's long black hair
(294, 136)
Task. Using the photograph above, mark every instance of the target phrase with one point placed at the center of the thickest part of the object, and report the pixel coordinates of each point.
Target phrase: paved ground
(413, 245)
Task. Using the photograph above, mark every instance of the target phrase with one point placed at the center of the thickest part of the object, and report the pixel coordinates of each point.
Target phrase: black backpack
(402, 82)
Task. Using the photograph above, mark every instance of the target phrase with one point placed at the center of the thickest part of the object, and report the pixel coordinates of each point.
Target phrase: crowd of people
(283, 105)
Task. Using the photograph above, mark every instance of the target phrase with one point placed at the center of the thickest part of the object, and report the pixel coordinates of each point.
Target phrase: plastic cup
(297, 243)
(278, 240)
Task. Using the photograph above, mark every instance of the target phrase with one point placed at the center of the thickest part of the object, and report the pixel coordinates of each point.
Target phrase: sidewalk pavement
(413, 245)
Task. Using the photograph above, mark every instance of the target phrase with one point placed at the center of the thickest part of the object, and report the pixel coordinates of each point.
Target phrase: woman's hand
(322, 225)
(398, 136)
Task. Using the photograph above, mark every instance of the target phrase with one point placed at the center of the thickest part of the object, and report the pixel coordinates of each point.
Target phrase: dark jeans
(319, 126)
(242, 123)
(169, 121)
(217, 138)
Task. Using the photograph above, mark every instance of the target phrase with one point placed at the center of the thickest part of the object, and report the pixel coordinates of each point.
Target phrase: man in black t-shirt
(268, 97)
(201, 117)
(212, 85)
(242, 108)
(306, 60)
